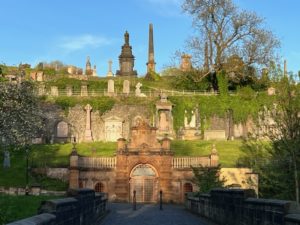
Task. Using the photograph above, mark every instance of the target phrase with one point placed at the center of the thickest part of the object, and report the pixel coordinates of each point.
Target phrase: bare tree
(224, 30)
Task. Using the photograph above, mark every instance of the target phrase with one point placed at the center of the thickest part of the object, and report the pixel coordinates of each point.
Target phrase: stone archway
(144, 180)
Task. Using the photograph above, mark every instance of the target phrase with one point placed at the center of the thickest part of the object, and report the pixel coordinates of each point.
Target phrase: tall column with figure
(88, 131)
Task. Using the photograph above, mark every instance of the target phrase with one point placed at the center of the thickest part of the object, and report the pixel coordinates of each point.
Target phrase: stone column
(88, 131)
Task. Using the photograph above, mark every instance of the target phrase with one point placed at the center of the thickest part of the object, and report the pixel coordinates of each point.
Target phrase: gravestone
(41, 90)
(6, 161)
(126, 87)
(186, 123)
(69, 90)
(110, 87)
(138, 92)
(54, 91)
(113, 128)
(163, 122)
(40, 76)
(84, 90)
(193, 120)
(271, 91)
(62, 130)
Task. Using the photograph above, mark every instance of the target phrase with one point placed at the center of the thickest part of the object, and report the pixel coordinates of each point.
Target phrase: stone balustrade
(187, 162)
(81, 207)
(97, 162)
(237, 206)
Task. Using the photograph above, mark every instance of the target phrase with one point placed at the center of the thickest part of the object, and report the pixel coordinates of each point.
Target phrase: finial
(214, 150)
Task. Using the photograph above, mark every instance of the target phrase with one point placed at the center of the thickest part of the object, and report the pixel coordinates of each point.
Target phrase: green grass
(57, 155)
(229, 151)
(14, 208)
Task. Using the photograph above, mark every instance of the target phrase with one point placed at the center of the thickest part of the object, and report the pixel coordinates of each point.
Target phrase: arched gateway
(143, 180)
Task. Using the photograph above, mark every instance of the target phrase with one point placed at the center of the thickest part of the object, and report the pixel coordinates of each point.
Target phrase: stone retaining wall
(237, 206)
(81, 207)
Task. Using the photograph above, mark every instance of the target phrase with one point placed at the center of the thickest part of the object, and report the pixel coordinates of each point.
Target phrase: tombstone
(271, 91)
(54, 91)
(138, 92)
(163, 122)
(40, 76)
(6, 161)
(126, 87)
(84, 90)
(41, 90)
(110, 87)
(186, 123)
(193, 120)
(113, 128)
(62, 130)
(69, 90)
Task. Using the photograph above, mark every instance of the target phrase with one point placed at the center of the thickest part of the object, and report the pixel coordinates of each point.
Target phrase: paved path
(123, 214)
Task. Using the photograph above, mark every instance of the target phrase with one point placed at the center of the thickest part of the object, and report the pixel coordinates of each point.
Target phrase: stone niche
(164, 118)
(113, 128)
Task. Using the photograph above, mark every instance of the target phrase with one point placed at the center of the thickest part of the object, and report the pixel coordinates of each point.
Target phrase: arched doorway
(144, 182)
(187, 187)
(99, 187)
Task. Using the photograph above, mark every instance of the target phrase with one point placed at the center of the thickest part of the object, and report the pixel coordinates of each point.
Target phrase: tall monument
(151, 63)
(126, 59)
(88, 67)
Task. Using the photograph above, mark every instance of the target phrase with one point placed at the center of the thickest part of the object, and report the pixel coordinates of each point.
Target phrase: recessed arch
(99, 187)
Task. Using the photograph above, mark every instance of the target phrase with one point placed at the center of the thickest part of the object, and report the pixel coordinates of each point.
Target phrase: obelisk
(151, 63)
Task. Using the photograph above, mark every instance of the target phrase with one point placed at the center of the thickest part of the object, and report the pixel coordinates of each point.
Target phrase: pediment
(112, 119)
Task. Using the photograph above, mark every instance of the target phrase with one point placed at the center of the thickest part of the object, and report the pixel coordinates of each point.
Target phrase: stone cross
(88, 131)
(110, 73)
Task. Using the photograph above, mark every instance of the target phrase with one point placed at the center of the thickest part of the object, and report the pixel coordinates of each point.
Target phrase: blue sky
(70, 30)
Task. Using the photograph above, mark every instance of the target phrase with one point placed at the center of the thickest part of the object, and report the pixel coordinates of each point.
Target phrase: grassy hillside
(229, 151)
(57, 155)
(14, 208)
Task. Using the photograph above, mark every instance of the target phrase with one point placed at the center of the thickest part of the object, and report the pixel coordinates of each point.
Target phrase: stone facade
(143, 164)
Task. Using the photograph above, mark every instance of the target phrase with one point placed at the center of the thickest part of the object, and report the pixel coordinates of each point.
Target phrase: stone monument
(54, 91)
(95, 71)
(164, 118)
(126, 87)
(88, 131)
(88, 67)
(110, 73)
(84, 90)
(6, 161)
(126, 59)
(186, 64)
(110, 87)
(138, 92)
(151, 63)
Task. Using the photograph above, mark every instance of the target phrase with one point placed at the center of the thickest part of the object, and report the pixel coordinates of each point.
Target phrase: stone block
(42, 219)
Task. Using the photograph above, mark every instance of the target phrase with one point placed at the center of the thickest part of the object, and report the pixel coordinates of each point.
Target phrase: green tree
(226, 31)
(21, 116)
(278, 164)
(207, 178)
